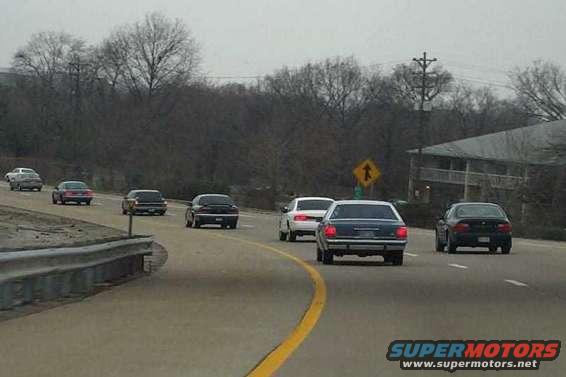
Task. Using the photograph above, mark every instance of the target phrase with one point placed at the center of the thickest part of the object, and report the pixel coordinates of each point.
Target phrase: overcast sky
(475, 39)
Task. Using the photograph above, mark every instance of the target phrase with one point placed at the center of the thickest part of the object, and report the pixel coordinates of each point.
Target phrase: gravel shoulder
(22, 229)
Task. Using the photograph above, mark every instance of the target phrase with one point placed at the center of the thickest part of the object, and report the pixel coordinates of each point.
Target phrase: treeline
(137, 105)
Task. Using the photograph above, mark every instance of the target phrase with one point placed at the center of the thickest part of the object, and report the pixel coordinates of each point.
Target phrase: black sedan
(474, 225)
(362, 228)
(145, 201)
(212, 209)
(72, 191)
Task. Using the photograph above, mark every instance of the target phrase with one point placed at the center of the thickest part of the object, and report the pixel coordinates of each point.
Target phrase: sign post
(131, 206)
(367, 173)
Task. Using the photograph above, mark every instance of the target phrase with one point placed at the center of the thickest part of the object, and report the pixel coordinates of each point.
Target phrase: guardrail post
(6, 296)
(66, 284)
(83, 281)
(28, 290)
(48, 286)
(99, 272)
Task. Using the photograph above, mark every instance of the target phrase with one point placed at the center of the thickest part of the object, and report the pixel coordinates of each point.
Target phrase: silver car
(16, 171)
(27, 181)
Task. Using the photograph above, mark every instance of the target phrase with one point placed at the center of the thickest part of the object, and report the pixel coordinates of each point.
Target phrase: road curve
(220, 305)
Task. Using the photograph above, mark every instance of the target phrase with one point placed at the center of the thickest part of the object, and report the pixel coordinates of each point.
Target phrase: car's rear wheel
(88, 202)
(439, 245)
(493, 249)
(11, 187)
(39, 189)
(292, 236)
(19, 188)
(196, 224)
(234, 224)
(318, 254)
(506, 249)
(188, 223)
(397, 260)
(53, 200)
(282, 236)
(451, 246)
(327, 257)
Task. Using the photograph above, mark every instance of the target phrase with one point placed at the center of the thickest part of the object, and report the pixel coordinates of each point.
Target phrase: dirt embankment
(21, 229)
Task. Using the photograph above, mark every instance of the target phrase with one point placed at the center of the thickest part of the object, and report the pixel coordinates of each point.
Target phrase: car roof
(466, 203)
(313, 198)
(369, 202)
(214, 195)
(73, 182)
(145, 191)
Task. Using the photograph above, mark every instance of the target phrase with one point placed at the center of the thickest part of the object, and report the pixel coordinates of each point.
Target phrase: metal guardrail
(26, 276)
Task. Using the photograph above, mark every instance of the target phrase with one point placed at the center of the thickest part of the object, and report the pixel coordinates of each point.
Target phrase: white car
(9, 176)
(301, 217)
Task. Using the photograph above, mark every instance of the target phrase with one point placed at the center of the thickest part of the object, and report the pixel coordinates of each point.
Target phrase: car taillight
(504, 228)
(88, 192)
(234, 209)
(300, 217)
(203, 210)
(330, 231)
(461, 228)
(401, 232)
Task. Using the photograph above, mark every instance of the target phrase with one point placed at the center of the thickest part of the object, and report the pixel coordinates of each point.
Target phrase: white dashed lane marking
(458, 266)
(516, 283)
(411, 254)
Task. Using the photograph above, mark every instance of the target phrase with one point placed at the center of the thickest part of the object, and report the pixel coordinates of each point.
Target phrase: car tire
(196, 224)
(493, 249)
(39, 189)
(19, 188)
(88, 202)
(233, 225)
(282, 236)
(292, 236)
(397, 260)
(224, 226)
(63, 202)
(53, 200)
(124, 211)
(161, 213)
(188, 224)
(452, 248)
(506, 249)
(318, 254)
(327, 257)
(11, 188)
(439, 245)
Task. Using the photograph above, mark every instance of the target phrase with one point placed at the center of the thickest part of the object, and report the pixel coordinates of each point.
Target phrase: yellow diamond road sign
(367, 172)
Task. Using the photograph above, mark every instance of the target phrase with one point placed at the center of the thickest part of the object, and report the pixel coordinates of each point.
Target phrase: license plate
(219, 219)
(483, 239)
(366, 233)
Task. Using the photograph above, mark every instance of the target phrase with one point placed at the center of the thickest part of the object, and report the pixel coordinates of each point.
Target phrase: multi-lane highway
(227, 298)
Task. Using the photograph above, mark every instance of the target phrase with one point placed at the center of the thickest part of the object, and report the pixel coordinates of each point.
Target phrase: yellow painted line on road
(275, 359)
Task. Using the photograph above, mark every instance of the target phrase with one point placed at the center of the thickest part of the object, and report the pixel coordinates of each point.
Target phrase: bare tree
(541, 90)
(151, 55)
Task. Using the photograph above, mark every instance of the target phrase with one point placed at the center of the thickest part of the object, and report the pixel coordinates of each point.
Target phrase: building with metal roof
(487, 166)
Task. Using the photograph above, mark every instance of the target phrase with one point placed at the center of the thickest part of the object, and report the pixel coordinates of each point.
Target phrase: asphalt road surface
(227, 298)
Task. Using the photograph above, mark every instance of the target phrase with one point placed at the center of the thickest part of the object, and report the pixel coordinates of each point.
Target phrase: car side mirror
(284, 209)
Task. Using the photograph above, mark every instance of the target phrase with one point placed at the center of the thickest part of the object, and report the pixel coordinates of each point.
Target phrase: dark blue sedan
(363, 228)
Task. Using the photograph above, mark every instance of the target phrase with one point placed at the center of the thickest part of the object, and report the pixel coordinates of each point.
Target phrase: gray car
(27, 181)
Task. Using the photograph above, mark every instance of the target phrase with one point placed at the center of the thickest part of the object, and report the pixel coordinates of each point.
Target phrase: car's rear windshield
(363, 211)
(216, 200)
(313, 204)
(479, 210)
(30, 175)
(75, 185)
(28, 171)
(149, 195)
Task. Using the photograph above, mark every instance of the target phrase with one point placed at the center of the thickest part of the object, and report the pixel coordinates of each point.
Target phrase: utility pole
(424, 63)
(75, 73)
